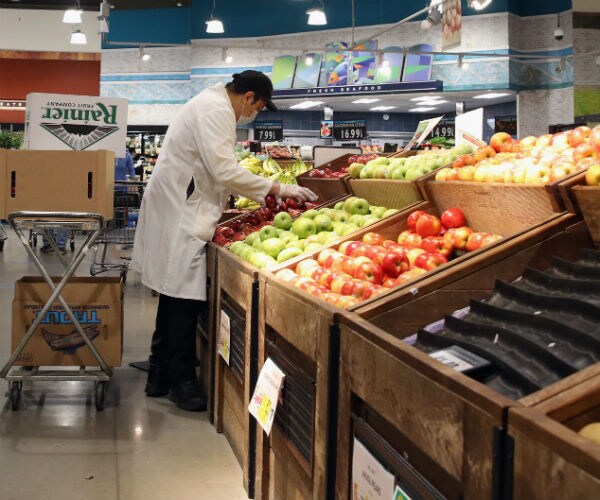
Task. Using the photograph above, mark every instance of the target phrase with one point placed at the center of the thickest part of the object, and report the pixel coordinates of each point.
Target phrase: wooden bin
(437, 425)
(327, 189)
(206, 341)
(386, 192)
(550, 460)
(474, 273)
(236, 293)
(588, 200)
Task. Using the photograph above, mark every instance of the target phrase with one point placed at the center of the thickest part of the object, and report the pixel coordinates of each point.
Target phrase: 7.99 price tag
(268, 131)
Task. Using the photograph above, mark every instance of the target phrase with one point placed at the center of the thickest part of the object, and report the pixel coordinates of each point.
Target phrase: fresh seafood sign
(54, 121)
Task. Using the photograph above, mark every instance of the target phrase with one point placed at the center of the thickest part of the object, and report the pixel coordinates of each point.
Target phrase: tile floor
(57, 446)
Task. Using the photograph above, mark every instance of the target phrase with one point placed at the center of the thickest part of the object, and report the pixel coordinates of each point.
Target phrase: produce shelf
(327, 188)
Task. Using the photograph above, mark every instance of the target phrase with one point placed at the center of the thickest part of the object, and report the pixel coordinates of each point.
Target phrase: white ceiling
(402, 102)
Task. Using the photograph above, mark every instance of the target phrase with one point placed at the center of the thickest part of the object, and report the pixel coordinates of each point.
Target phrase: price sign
(350, 130)
(460, 359)
(268, 131)
(444, 130)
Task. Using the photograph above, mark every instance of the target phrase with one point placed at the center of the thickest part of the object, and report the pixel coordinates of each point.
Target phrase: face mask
(245, 120)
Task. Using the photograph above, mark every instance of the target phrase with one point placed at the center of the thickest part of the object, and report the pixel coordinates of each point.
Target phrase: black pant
(174, 340)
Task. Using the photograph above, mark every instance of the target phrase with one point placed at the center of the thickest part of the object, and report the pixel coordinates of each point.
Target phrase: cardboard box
(98, 304)
(75, 122)
(59, 181)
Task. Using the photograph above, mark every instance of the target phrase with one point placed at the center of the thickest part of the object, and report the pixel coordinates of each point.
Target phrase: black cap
(257, 82)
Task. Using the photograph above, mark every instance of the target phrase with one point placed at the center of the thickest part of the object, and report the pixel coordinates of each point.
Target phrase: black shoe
(187, 395)
(157, 384)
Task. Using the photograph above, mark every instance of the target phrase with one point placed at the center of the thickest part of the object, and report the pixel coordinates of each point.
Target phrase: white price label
(224, 342)
(451, 360)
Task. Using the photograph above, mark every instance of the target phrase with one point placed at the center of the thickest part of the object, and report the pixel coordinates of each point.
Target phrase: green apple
(390, 211)
(236, 247)
(370, 219)
(282, 220)
(358, 206)
(310, 214)
(246, 251)
(354, 170)
(380, 171)
(251, 238)
(288, 253)
(416, 172)
(267, 232)
(330, 236)
(287, 237)
(367, 172)
(303, 227)
(323, 223)
(296, 244)
(326, 211)
(322, 237)
(339, 205)
(347, 202)
(257, 244)
(378, 211)
(313, 238)
(313, 247)
(338, 227)
(357, 219)
(272, 246)
(340, 216)
(398, 173)
(349, 228)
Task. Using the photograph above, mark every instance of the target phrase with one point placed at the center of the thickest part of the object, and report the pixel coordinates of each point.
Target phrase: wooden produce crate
(434, 424)
(299, 333)
(588, 200)
(386, 192)
(327, 189)
(206, 341)
(236, 295)
(550, 459)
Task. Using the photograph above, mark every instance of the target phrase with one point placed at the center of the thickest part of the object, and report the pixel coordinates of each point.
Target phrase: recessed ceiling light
(421, 109)
(383, 108)
(78, 38)
(425, 98)
(307, 104)
(72, 16)
(365, 100)
(491, 95)
(433, 102)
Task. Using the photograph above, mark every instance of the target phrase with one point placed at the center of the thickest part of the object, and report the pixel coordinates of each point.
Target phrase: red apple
(595, 137)
(489, 239)
(373, 239)
(389, 244)
(370, 272)
(413, 217)
(339, 281)
(453, 217)
(498, 139)
(592, 176)
(430, 261)
(560, 142)
(475, 241)
(403, 236)
(395, 263)
(585, 150)
(428, 225)
(412, 254)
(528, 142)
(458, 236)
(388, 282)
(324, 254)
(580, 135)
(413, 240)
(345, 302)
(438, 244)
(409, 275)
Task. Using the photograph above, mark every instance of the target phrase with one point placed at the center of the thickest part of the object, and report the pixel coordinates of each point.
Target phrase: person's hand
(293, 191)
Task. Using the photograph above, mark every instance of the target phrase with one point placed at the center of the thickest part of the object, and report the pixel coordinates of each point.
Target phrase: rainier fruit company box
(96, 302)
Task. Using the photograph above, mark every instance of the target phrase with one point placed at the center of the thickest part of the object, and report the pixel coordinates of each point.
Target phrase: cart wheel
(124, 276)
(72, 246)
(15, 395)
(100, 393)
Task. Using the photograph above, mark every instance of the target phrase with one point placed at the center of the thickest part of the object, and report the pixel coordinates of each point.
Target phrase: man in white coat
(191, 182)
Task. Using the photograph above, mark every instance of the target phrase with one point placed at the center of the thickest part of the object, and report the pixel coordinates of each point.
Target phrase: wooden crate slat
(588, 199)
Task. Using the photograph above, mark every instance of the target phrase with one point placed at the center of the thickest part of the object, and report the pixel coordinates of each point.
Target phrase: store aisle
(57, 447)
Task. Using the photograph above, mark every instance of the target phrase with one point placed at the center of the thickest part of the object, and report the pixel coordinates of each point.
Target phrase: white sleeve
(216, 145)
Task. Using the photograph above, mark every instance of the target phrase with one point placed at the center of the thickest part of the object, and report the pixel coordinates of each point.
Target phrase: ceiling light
(72, 16)
(382, 108)
(425, 98)
(78, 38)
(227, 57)
(144, 56)
(491, 95)
(385, 63)
(478, 4)
(307, 104)
(214, 25)
(433, 102)
(365, 100)
(308, 60)
(316, 16)
(421, 109)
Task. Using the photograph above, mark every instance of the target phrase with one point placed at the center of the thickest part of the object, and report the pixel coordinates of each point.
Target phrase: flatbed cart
(120, 230)
(3, 237)
(42, 222)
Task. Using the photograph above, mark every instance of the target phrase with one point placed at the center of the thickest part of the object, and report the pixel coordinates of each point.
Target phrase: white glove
(293, 191)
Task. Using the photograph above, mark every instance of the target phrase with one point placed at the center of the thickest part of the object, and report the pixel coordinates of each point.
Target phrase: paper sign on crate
(266, 395)
(424, 128)
(224, 343)
(75, 122)
(370, 479)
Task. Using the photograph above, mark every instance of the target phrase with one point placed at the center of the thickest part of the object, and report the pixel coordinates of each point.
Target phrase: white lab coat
(170, 241)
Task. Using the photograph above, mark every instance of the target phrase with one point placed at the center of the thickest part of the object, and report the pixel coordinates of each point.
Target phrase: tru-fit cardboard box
(59, 181)
(98, 305)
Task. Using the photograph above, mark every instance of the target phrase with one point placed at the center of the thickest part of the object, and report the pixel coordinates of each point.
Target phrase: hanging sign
(424, 128)
(268, 131)
(350, 130)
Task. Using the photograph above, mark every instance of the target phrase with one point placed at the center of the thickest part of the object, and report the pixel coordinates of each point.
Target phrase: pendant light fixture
(78, 38)
(316, 16)
(479, 4)
(73, 16)
(214, 25)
